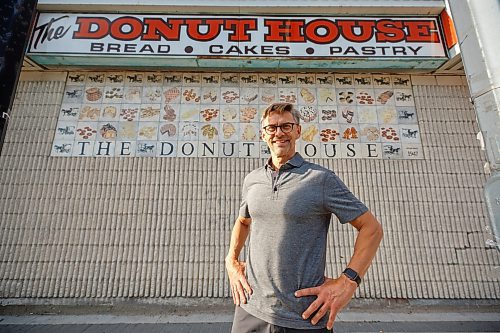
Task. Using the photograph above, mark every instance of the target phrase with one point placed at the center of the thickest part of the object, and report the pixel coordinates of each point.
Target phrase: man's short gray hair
(281, 108)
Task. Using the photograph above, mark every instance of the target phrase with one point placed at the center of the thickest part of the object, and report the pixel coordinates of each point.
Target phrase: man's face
(282, 145)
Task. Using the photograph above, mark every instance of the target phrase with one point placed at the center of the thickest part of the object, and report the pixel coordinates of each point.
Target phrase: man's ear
(299, 129)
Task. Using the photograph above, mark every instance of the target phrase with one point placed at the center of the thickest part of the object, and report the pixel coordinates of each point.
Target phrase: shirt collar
(295, 162)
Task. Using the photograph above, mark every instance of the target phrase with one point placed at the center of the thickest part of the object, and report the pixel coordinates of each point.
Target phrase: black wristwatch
(352, 275)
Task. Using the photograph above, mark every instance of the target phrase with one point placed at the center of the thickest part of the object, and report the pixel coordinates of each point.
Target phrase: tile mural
(122, 114)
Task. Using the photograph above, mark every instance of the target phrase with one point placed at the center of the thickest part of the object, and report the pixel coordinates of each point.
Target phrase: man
(288, 204)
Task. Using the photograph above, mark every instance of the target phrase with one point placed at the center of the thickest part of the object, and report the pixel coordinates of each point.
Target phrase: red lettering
(389, 31)
(91, 28)
(284, 31)
(213, 29)
(331, 35)
(347, 27)
(240, 29)
(422, 31)
(135, 28)
(157, 28)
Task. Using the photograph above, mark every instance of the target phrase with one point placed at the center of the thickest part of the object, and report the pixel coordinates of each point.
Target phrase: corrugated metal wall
(154, 228)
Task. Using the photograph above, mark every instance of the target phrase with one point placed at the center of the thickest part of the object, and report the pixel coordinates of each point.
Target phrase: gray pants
(246, 323)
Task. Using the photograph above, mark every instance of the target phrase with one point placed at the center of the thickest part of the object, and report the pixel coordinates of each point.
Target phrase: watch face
(353, 275)
(350, 273)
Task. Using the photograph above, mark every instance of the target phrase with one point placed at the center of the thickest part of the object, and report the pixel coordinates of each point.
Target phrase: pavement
(381, 317)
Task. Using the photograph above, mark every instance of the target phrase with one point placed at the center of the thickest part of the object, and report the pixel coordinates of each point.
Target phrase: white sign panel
(237, 36)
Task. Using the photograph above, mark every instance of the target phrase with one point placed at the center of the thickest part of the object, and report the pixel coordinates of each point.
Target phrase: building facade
(134, 126)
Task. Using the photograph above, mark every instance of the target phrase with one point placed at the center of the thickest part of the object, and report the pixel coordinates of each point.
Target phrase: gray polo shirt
(291, 211)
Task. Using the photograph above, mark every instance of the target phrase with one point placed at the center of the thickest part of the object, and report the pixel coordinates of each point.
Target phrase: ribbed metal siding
(154, 228)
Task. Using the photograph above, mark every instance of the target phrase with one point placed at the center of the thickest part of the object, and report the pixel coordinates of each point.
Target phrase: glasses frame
(265, 128)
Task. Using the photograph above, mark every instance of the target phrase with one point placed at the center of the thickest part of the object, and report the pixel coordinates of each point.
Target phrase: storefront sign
(175, 114)
(236, 36)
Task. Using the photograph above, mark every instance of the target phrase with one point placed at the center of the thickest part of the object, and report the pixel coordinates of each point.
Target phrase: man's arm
(335, 294)
(236, 269)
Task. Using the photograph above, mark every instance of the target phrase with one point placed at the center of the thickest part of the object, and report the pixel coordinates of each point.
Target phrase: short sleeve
(244, 204)
(339, 200)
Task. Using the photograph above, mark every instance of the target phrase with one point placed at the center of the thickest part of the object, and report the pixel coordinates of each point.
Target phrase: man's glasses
(285, 128)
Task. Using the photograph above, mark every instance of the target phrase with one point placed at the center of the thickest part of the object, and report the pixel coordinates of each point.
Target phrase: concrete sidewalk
(439, 322)
(382, 316)
(349, 321)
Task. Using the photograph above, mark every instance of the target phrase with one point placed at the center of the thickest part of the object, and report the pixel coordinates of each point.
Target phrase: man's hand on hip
(332, 296)
(238, 281)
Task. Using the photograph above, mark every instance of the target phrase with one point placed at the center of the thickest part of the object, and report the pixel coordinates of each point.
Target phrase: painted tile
(114, 78)
(248, 114)
(330, 150)
(107, 131)
(410, 133)
(69, 112)
(188, 131)
(229, 132)
(134, 79)
(151, 94)
(247, 79)
(229, 149)
(209, 132)
(344, 81)
(210, 95)
(287, 79)
(172, 79)
(268, 95)
(249, 132)
(95, 79)
(73, 94)
(166, 149)
(150, 112)
(104, 149)
(249, 149)
(208, 149)
(62, 148)
(363, 80)
(210, 79)
(382, 81)
(350, 150)
(324, 79)
(168, 132)
(307, 96)
(392, 151)
(310, 133)
(230, 113)
(83, 148)
(65, 131)
(125, 148)
(76, 78)
(210, 113)
(404, 97)
(326, 96)
(249, 95)
(146, 148)
(308, 113)
(401, 81)
(413, 151)
(191, 79)
(328, 114)
(172, 95)
(154, 79)
(268, 80)
(187, 149)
